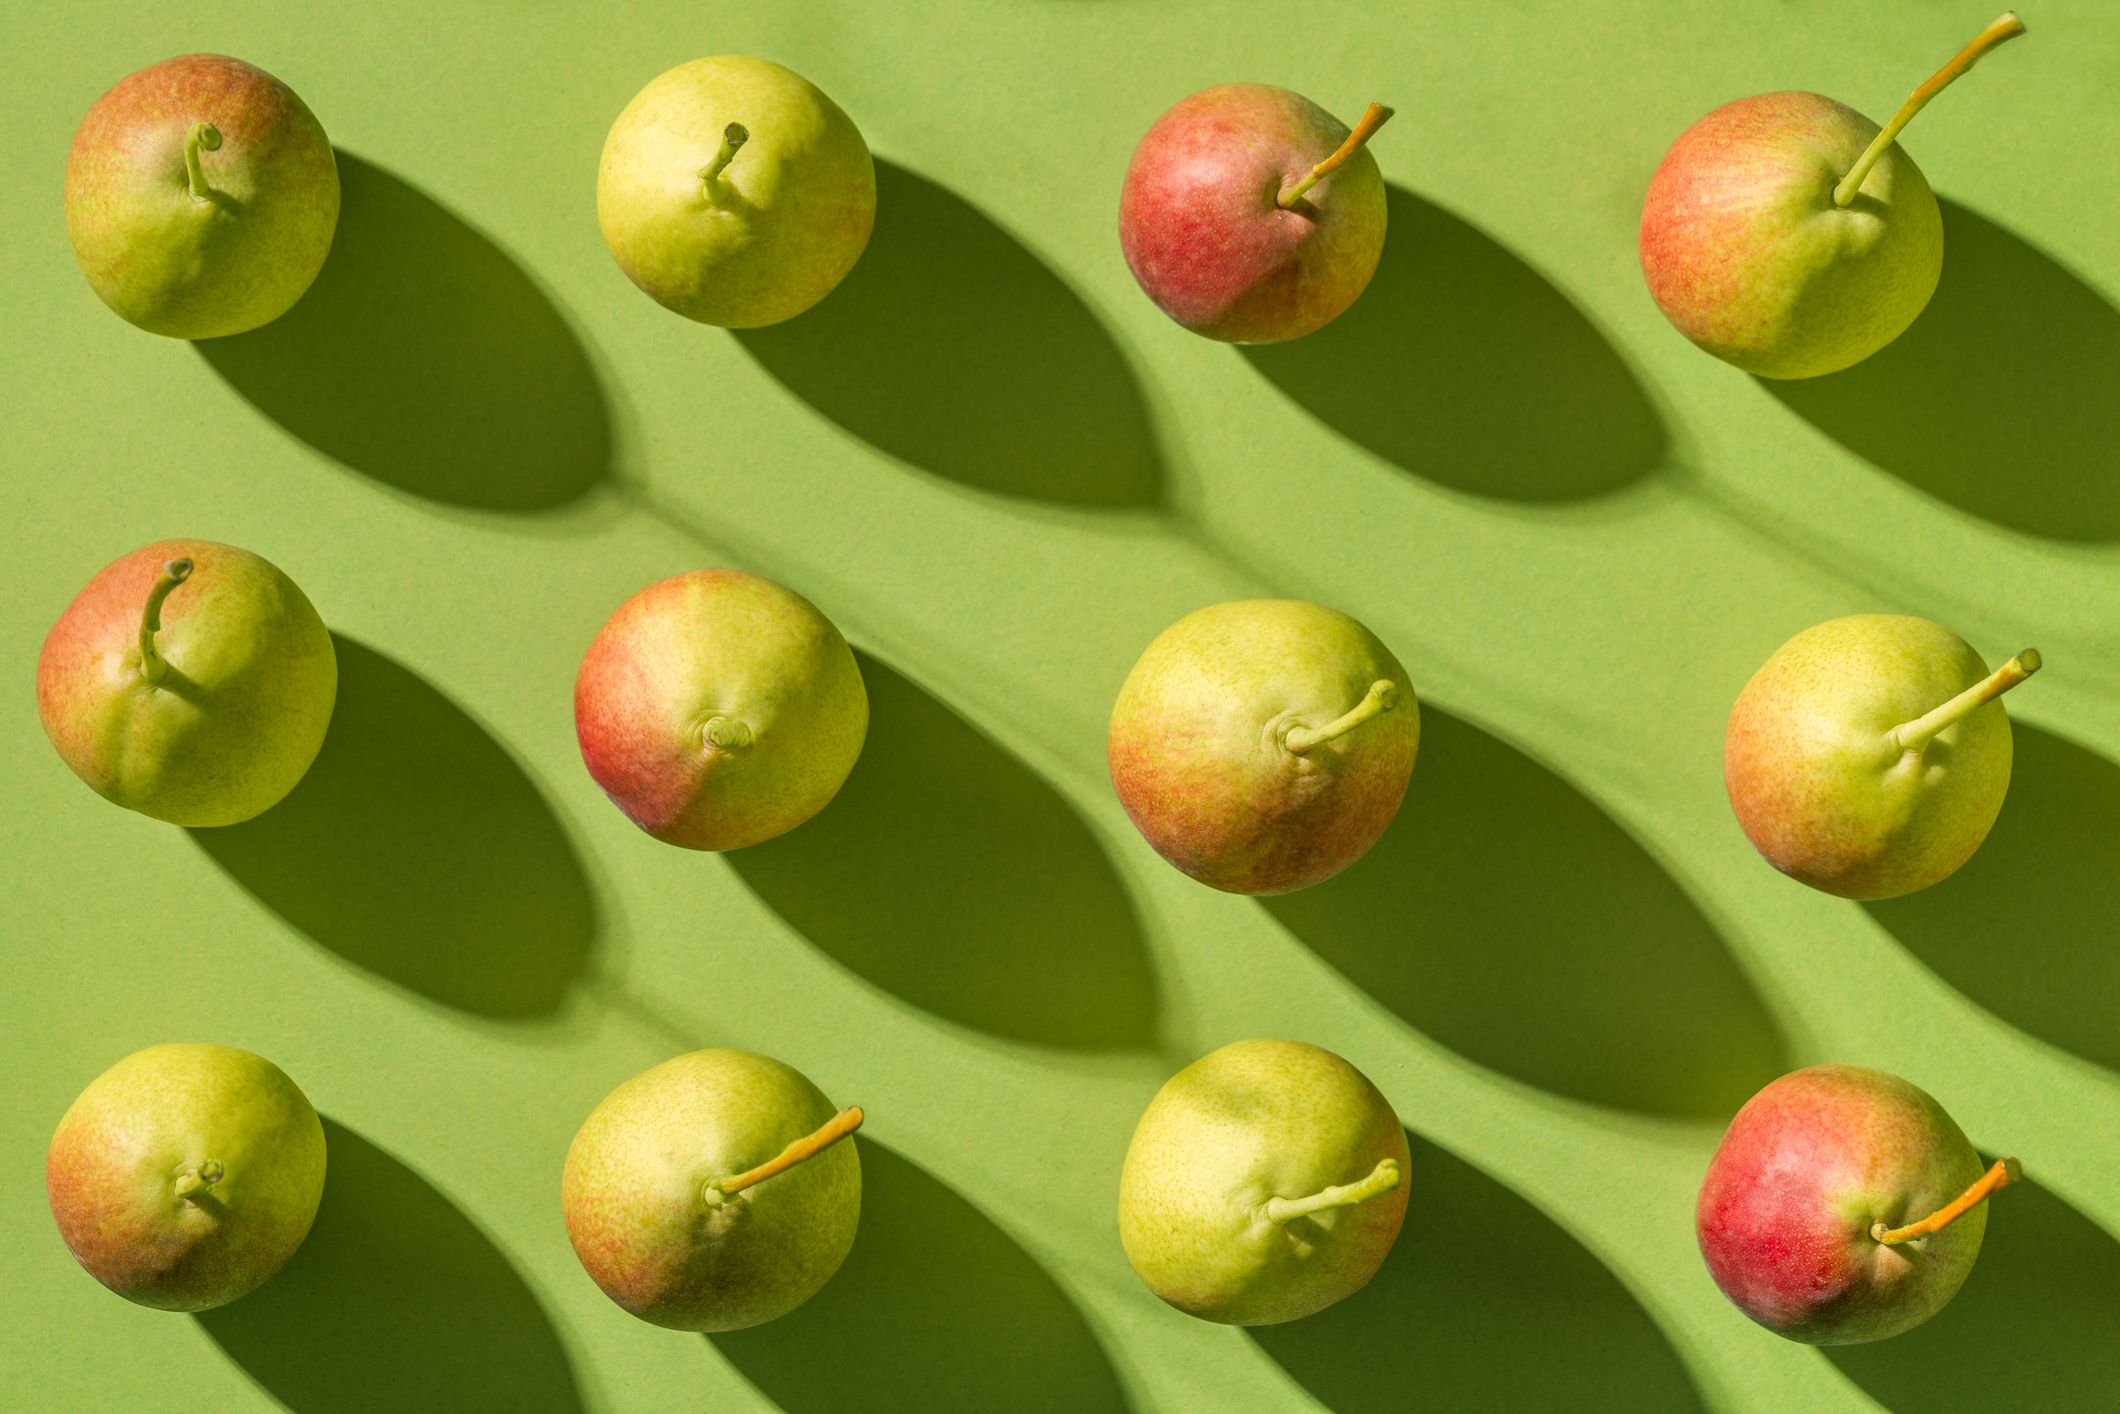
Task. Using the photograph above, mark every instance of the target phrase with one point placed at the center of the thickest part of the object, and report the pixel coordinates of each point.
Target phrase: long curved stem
(153, 666)
(1914, 735)
(1382, 1179)
(1373, 117)
(2000, 1174)
(2005, 27)
(733, 137)
(1383, 695)
(203, 137)
(833, 1130)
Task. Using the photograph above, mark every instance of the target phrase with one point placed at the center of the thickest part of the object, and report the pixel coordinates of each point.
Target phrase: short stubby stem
(1383, 695)
(1373, 117)
(2006, 27)
(726, 733)
(1382, 1179)
(733, 137)
(2000, 1174)
(153, 666)
(716, 1190)
(203, 137)
(200, 1179)
(1914, 735)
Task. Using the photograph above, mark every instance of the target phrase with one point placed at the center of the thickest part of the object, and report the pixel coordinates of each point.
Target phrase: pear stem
(733, 137)
(202, 137)
(1383, 695)
(1382, 1179)
(2005, 27)
(727, 733)
(205, 1176)
(1373, 117)
(833, 1130)
(2001, 1174)
(1914, 735)
(153, 666)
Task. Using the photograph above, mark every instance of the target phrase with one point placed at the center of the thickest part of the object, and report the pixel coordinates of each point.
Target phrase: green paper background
(1002, 471)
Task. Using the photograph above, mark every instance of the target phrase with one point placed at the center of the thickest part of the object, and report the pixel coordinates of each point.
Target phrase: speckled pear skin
(116, 1158)
(1806, 1168)
(1253, 1121)
(1205, 237)
(1747, 255)
(1819, 787)
(176, 265)
(718, 643)
(803, 193)
(631, 1193)
(1197, 757)
(240, 715)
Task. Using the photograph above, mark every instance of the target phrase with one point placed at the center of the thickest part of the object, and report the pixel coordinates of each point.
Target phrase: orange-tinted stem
(2001, 1174)
(838, 1127)
(1373, 117)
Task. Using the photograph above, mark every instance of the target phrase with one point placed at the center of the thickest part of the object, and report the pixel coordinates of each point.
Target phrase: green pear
(185, 1175)
(1790, 235)
(734, 192)
(712, 1193)
(1869, 757)
(1262, 1184)
(189, 681)
(201, 196)
(1263, 745)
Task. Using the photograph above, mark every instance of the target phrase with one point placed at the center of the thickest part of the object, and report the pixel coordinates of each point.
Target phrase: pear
(1868, 757)
(201, 197)
(734, 192)
(718, 709)
(712, 1192)
(185, 1175)
(1263, 745)
(1262, 1184)
(189, 681)
(1843, 1206)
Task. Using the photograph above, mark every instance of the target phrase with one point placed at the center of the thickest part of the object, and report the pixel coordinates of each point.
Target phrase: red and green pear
(1843, 1206)
(1252, 215)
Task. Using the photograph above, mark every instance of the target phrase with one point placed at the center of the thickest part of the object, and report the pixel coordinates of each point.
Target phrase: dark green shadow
(1484, 1304)
(1508, 917)
(1465, 366)
(952, 347)
(396, 1301)
(2000, 399)
(418, 850)
(426, 358)
(951, 875)
(2035, 1327)
(2028, 927)
(936, 1308)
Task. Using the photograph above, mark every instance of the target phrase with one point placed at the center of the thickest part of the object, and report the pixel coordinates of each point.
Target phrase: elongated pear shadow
(2032, 1328)
(418, 850)
(426, 358)
(1484, 1303)
(936, 1308)
(1508, 917)
(1464, 366)
(948, 873)
(2026, 928)
(952, 347)
(396, 1301)
(2000, 397)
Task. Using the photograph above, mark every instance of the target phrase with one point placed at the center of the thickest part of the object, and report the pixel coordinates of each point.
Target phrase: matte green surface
(1001, 471)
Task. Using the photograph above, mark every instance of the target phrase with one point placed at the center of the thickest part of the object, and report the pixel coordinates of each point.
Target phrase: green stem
(205, 1176)
(1383, 695)
(733, 137)
(1914, 735)
(2006, 27)
(1373, 117)
(727, 733)
(1382, 1179)
(153, 666)
(202, 137)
